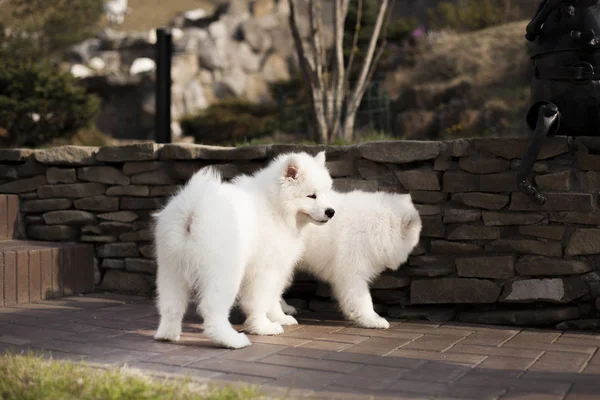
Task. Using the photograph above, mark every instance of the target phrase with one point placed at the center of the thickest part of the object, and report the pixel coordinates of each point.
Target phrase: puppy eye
(312, 196)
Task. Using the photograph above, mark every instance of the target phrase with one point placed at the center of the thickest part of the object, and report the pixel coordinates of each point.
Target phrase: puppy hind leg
(286, 308)
(173, 293)
(256, 300)
(355, 301)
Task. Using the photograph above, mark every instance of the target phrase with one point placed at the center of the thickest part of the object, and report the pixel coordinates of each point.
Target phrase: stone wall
(487, 253)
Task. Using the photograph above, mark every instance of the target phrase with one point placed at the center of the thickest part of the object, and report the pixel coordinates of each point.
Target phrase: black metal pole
(163, 86)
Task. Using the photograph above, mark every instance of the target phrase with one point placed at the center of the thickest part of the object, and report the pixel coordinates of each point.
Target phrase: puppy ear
(320, 158)
(291, 170)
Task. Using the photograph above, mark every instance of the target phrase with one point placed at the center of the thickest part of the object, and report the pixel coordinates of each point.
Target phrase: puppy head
(305, 184)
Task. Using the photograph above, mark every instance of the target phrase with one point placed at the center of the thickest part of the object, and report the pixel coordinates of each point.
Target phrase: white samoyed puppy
(239, 240)
(371, 232)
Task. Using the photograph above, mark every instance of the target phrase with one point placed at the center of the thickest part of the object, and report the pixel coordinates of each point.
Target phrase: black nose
(330, 212)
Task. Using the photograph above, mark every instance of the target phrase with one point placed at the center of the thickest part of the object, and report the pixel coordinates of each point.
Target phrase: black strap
(576, 72)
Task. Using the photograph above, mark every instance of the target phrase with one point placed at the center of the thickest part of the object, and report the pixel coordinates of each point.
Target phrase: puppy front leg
(355, 302)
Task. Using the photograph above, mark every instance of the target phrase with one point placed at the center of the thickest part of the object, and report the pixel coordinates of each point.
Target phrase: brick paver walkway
(321, 358)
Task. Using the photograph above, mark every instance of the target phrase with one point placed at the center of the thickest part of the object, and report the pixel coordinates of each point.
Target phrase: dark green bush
(29, 90)
(231, 121)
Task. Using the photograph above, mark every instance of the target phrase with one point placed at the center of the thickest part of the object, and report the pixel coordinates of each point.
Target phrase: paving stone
(69, 217)
(494, 267)
(526, 246)
(491, 218)
(399, 151)
(483, 165)
(559, 181)
(119, 216)
(433, 314)
(487, 201)
(474, 232)
(521, 317)
(67, 155)
(419, 179)
(457, 215)
(54, 232)
(184, 151)
(61, 175)
(35, 206)
(103, 174)
(132, 168)
(583, 242)
(556, 290)
(132, 152)
(71, 191)
(97, 203)
(541, 266)
(555, 202)
(23, 185)
(129, 190)
(117, 250)
(453, 290)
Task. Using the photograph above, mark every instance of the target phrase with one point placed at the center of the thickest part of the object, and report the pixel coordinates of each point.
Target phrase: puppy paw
(265, 328)
(373, 322)
(167, 334)
(287, 320)
(237, 341)
(289, 310)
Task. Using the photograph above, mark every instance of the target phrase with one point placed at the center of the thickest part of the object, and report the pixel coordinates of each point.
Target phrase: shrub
(231, 121)
(38, 102)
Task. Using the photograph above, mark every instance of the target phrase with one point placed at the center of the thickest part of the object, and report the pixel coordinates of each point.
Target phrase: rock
(444, 163)
(428, 197)
(555, 202)
(8, 172)
(556, 290)
(61, 175)
(115, 227)
(482, 200)
(131, 152)
(30, 169)
(95, 229)
(458, 181)
(456, 215)
(52, 233)
(143, 235)
(184, 67)
(474, 232)
(147, 250)
(142, 65)
(184, 151)
(275, 69)
(67, 155)
(515, 148)
(253, 34)
(233, 84)
(140, 265)
(432, 226)
(588, 162)
(98, 238)
(245, 57)
(113, 263)
(393, 296)
(69, 217)
(419, 179)
(428, 209)
(526, 246)
(453, 291)
(347, 185)
(159, 177)
(539, 266)
(117, 250)
(16, 155)
(592, 324)
(103, 174)
(521, 317)
(36, 206)
(483, 165)
(584, 241)
(119, 216)
(433, 314)
(369, 169)
(261, 8)
(97, 203)
(164, 191)
(446, 247)
(390, 281)
(560, 181)
(129, 190)
(141, 203)
(122, 281)
(500, 182)
(33, 219)
(340, 168)
(430, 266)
(71, 190)
(132, 168)
(510, 218)
(539, 167)
(493, 267)
(575, 217)
(23, 185)
(399, 152)
(554, 232)
(323, 306)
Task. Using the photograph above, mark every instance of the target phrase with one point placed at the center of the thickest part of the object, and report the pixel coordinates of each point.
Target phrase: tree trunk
(348, 130)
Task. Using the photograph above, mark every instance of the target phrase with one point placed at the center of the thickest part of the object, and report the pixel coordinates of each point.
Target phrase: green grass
(31, 377)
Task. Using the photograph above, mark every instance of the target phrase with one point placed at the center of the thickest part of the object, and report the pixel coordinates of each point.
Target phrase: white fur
(371, 232)
(237, 240)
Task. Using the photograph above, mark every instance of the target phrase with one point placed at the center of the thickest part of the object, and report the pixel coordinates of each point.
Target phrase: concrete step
(32, 271)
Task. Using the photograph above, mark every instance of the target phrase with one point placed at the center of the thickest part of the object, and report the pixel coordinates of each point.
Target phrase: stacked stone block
(487, 253)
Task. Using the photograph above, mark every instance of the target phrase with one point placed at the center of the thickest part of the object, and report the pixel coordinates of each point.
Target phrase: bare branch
(355, 38)
(382, 45)
(337, 85)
